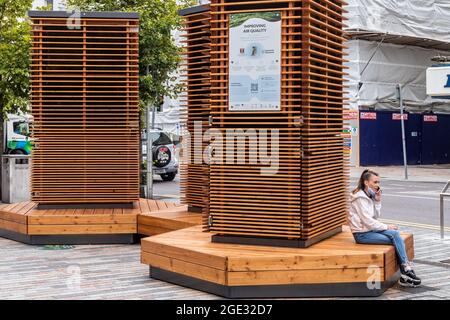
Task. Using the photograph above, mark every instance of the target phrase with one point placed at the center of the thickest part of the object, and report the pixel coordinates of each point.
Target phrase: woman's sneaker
(409, 279)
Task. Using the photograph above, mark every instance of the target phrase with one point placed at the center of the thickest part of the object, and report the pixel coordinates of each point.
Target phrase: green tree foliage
(14, 56)
(158, 53)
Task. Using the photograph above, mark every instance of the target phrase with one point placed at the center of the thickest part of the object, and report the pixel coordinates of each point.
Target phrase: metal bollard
(442, 196)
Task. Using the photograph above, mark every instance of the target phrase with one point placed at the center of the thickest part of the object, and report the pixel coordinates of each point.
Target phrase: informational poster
(255, 61)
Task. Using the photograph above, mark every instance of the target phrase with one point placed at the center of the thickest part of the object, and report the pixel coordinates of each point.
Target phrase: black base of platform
(328, 290)
(274, 242)
(194, 209)
(70, 239)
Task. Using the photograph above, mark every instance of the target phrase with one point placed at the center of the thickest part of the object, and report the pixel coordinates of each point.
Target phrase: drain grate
(426, 297)
(421, 289)
(57, 247)
(440, 264)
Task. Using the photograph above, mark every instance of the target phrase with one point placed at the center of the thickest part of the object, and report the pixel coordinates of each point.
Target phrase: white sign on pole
(255, 61)
(438, 81)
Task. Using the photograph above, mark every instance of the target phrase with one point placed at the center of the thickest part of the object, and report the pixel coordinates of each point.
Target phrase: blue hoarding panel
(436, 141)
(379, 141)
(426, 142)
(413, 134)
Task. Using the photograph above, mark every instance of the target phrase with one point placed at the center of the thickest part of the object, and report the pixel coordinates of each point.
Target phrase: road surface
(408, 202)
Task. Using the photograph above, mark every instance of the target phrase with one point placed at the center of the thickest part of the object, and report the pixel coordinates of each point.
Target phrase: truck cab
(17, 133)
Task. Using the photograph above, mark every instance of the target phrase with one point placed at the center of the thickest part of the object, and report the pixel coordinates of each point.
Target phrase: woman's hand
(378, 195)
(392, 227)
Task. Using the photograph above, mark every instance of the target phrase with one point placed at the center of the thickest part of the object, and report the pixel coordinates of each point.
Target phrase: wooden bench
(170, 219)
(334, 267)
(24, 222)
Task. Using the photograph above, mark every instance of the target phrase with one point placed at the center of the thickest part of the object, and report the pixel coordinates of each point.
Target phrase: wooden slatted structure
(305, 201)
(24, 221)
(195, 107)
(325, 165)
(334, 267)
(167, 219)
(84, 82)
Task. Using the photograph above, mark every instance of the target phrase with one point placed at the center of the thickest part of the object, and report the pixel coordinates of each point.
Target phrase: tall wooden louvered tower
(305, 200)
(195, 107)
(84, 82)
(271, 228)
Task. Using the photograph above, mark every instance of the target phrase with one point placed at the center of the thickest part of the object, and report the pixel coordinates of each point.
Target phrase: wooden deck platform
(179, 252)
(24, 222)
(334, 267)
(167, 220)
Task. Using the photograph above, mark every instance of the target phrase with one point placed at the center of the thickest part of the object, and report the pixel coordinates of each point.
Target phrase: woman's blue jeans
(391, 237)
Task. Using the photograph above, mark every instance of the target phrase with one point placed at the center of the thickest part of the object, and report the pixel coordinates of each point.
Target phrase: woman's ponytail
(365, 176)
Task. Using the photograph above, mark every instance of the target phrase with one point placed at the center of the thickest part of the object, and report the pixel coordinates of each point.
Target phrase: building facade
(391, 43)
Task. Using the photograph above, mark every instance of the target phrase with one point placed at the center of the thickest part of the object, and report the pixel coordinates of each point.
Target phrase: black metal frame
(194, 209)
(70, 13)
(194, 10)
(274, 242)
(319, 290)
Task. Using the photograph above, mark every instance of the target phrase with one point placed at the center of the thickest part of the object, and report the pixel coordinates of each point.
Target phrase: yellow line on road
(168, 195)
(413, 224)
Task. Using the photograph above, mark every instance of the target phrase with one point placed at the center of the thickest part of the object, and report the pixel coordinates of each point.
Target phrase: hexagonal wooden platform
(24, 222)
(334, 267)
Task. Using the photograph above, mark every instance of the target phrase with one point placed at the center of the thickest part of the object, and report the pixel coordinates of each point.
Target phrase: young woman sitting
(365, 206)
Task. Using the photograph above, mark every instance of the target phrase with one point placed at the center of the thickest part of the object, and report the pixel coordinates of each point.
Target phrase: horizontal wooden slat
(84, 85)
(194, 179)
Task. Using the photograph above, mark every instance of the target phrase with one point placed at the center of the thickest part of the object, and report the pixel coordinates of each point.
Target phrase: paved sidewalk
(432, 265)
(115, 272)
(432, 173)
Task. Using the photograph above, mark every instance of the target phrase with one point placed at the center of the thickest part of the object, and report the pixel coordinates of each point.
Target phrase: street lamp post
(149, 153)
(402, 119)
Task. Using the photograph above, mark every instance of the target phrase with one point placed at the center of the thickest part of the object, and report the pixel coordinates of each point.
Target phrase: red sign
(398, 116)
(368, 116)
(350, 115)
(430, 118)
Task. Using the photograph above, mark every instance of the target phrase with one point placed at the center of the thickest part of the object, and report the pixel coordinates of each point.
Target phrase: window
(160, 138)
(21, 127)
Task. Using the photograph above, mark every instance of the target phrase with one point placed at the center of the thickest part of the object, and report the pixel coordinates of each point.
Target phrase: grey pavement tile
(115, 272)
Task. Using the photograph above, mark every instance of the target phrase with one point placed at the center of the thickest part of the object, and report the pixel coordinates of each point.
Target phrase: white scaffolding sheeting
(427, 19)
(391, 65)
(169, 118)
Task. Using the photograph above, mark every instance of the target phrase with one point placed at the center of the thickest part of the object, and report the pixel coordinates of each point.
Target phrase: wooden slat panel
(13, 226)
(148, 220)
(13, 217)
(323, 76)
(80, 220)
(175, 218)
(34, 229)
(185, 268)
(307, 196)
(335, 260)
(195, 108)
(85, 96)
(300, 276)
